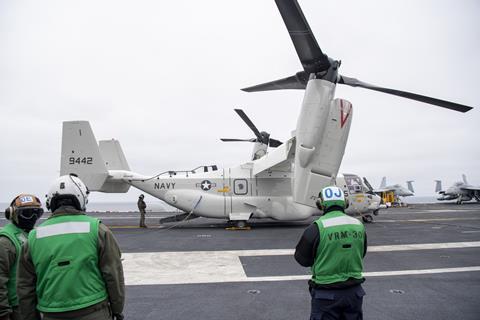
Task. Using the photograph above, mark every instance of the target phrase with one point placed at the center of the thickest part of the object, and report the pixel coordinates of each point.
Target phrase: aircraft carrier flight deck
(423, 262)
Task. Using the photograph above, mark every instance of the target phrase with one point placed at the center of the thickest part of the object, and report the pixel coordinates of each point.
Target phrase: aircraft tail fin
(113, 155)
(114, 159)
(384, 183)
(438, 185)
(464, 177)
(410, 186)
(81, 156)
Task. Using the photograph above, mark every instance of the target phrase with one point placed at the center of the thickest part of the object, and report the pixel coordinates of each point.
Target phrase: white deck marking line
(374, 274)
(424, 246)
(427, 220)
(448, 210)
(150, 268)
(420, 211)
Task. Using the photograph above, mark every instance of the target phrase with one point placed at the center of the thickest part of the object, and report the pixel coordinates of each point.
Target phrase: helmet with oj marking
(331, 196)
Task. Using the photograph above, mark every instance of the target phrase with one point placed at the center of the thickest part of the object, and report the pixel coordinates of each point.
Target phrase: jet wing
(470, 188)
(384, 190)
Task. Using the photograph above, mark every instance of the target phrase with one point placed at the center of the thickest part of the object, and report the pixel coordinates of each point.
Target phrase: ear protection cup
(319, 202)
(9, 212)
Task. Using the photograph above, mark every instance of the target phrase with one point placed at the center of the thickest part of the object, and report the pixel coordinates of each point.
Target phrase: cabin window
(240, 186)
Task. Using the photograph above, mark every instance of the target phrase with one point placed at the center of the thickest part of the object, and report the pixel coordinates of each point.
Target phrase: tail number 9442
(80, 160)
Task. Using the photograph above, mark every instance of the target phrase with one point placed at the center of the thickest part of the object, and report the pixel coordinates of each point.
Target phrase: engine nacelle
(322, 132)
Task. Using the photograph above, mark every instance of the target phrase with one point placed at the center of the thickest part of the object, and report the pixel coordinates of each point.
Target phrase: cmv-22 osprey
(282, 184)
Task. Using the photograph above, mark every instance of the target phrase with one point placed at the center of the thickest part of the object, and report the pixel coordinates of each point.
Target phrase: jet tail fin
(438, 185)
(81, 155)
(384, 183)
(410, 186)
(464, 177)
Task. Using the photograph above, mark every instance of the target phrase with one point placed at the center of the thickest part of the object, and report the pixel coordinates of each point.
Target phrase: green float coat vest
(18, 237)
(340, 250)
(64, 251)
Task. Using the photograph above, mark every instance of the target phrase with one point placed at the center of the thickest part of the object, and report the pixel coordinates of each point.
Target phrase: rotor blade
(413, 96)
(298, 81)
(274, 143)
(249, 123)
(308, 51)
(237, 140)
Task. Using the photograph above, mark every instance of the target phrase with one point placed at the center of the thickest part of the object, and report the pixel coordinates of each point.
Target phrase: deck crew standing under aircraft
(141, 207)
(70, 267)
(334, 247)
(23, 213)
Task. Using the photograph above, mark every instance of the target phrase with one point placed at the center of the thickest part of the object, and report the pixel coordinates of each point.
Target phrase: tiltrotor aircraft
(460, 191)
(363, 201)
(283, 184)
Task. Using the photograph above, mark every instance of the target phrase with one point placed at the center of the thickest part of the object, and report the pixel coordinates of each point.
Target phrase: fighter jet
(397, 189)
(394, 192)
(460, 191)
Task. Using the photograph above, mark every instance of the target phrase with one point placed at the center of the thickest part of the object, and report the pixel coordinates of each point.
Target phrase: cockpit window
(354, 184)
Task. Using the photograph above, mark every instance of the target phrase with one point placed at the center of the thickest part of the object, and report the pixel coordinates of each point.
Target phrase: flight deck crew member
(23, 212)
(141, 207)
(334, 247)
(70, 266)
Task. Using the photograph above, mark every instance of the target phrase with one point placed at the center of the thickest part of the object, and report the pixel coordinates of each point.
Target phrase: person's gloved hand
(116, 316)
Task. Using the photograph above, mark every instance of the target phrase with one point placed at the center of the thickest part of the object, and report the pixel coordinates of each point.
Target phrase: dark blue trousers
(345, 304)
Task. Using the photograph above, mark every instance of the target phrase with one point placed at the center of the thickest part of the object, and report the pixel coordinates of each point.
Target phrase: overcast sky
(163, 77)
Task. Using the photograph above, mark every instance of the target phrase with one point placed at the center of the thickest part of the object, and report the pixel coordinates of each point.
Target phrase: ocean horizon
(118, 206)
(158, 206)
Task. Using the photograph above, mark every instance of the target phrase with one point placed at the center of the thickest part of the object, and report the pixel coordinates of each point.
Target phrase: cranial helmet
(24, 211)
(67, 190)
(331, 196)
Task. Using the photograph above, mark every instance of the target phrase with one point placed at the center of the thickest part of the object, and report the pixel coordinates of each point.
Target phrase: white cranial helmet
(67, 190)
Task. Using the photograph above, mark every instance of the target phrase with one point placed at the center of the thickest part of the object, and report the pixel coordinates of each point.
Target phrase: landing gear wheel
(367, 218)
(241, 224)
